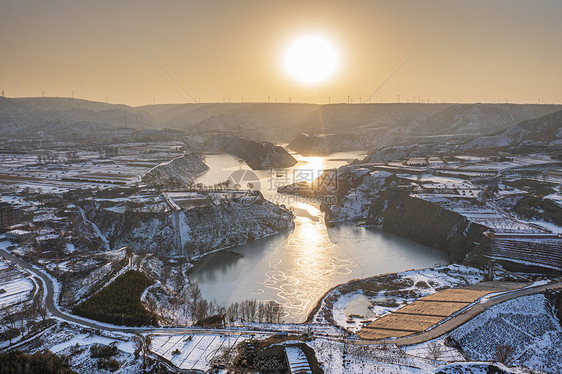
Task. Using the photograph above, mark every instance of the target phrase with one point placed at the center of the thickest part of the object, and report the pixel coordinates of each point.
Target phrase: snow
(472, 368)
(353, 317)
(15, 286)
(96, 229)
(435, 348)
(297, 360)
(527, 324)
(15, 291)
(70, 248)
(552, 227)
(356, 203)
(23, 171)
(88, 339)
(344, 358)
(196, 352)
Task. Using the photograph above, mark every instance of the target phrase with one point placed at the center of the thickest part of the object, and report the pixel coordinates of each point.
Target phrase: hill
(545, 131)
(375, 125)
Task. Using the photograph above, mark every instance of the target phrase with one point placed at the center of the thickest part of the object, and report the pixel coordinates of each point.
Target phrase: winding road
(430, 334)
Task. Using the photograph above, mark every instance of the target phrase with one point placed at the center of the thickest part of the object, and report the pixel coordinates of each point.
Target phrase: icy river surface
(296, 268)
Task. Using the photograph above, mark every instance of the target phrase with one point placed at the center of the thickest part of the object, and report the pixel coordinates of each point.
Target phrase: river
(296, 268)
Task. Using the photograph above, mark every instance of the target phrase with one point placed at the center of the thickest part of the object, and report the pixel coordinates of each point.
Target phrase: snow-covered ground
(194, 352)
(90, 170)
(528, 325)
(15, 291)
(340, 358)
(353, 308)
(15, 286)
(436, 349)
(85, 339)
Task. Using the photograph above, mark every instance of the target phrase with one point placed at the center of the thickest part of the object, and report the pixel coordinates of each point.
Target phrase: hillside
(545, 131)
(478, 119)
(375, 124)
(50, 116)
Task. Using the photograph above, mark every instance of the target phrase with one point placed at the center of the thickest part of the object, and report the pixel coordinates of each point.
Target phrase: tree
(434, 350)
(194, 299)
(274, 312)
(201, 308)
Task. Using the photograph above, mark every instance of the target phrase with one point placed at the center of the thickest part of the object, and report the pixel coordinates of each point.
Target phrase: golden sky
(463, 50)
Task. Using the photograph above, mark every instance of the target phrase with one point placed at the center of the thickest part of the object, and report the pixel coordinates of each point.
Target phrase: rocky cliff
(222, 223)
(179, 171)
(356, 190)
(397, 212)
(258, 155)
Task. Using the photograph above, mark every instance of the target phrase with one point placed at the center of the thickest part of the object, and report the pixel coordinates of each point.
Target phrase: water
(296, 268)
(222, 166)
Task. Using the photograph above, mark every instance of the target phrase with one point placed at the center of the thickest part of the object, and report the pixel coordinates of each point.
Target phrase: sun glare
(311, 59)
(314, 165)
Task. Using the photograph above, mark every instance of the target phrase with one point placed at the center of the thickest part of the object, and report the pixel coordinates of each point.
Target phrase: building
(18, 235)
(417, 161)
(7, 215)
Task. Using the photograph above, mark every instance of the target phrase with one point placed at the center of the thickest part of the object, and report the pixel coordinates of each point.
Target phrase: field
(57, 173)
(527, 325)
(429, 311)
(15, 287)
(194, 352)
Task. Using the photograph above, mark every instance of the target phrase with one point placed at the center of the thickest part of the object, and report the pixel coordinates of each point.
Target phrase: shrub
(102, 351)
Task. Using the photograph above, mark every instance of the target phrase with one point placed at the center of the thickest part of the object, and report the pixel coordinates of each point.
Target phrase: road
(435, 332)
(463, 317)
(54, 309)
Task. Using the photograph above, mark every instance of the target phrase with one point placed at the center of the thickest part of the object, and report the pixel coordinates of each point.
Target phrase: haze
(463, 51)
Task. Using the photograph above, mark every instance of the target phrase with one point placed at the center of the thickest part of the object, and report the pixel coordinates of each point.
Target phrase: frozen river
(296, 268)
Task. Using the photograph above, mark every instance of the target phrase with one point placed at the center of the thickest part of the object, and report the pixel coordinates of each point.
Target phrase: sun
(311, 59)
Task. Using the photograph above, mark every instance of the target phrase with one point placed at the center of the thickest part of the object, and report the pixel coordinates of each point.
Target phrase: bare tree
(434, 350)
(194, 294)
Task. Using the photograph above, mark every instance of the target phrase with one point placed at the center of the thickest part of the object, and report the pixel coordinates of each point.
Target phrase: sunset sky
(463, 51)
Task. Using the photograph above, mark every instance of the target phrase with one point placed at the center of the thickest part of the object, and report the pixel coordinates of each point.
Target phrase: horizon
(283, 102)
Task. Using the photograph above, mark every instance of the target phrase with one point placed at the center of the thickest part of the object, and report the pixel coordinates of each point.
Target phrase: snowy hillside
(526, 325)
(279, 122)
(203, 223)
(179, 171)
(479, 118)
(544, 131)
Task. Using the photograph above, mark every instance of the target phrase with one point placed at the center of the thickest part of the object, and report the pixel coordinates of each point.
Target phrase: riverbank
(359, 302)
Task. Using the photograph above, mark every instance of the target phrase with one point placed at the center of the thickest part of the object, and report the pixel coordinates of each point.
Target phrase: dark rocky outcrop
(258, 155)
(397, 212)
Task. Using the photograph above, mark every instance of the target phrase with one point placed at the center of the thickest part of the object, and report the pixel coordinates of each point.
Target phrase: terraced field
(430, 310)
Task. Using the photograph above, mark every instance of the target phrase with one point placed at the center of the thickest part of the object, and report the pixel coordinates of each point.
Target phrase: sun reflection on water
(309, 262)
(312, 164)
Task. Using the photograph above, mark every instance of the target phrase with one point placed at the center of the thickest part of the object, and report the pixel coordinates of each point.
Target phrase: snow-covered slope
(527, 325)
(220, 222)
(29, 117)
(355, 202)
(544, 131)
(479, 118)
(179, 171)
(280, 122)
